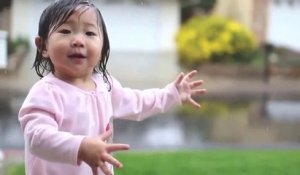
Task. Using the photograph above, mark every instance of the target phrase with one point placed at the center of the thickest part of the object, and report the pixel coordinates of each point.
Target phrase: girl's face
(75, 47)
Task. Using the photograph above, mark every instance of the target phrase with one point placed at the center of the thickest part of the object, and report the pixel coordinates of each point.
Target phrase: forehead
(54, 17)
(86, 14)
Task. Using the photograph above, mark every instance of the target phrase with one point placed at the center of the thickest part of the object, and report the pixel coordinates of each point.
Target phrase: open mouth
(77, 56)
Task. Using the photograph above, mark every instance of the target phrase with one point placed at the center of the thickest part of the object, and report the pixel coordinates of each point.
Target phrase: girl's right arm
(39, 119)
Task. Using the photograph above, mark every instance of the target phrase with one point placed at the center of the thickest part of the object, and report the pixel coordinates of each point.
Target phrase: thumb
(106, 135)
(95, 170)
(179, 78)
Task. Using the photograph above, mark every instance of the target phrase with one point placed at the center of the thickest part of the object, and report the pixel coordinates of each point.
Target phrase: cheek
(55, 53)
(57, 49)
(96, 50)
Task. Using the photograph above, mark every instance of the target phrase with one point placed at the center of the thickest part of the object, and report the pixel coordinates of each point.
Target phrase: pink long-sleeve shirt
(56, 116)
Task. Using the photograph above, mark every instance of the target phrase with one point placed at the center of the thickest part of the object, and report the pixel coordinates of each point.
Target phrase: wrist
(80, 154)
(173, 89)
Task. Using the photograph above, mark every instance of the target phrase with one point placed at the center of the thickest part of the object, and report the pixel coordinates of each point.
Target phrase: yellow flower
(225, 37)
(202, 38)
(234, 26)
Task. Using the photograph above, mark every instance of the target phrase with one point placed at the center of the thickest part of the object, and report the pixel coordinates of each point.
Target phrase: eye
(90, 33)
(64, 31)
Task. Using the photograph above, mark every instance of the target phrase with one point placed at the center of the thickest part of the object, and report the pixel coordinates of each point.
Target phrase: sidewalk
(250, 89)
(218, 87)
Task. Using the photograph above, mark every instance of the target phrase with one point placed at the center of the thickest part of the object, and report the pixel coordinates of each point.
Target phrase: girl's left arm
(137, 105)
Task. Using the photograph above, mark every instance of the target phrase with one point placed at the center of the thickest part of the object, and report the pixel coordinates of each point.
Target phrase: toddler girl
(65, 117)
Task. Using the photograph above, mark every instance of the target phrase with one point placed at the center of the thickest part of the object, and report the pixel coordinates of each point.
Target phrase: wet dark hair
(52, 18)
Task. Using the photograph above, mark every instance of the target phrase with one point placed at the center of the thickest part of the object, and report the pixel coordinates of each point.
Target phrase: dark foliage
(4, 4)
(190, 7)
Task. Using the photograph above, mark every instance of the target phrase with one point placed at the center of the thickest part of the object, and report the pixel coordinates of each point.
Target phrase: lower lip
(78, 60)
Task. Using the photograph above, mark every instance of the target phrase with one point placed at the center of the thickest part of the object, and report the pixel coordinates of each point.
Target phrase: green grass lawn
(211, 162)
(205, 162)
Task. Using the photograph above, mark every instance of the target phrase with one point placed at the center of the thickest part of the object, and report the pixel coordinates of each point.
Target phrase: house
(251, 13)
(141, 32)
(283, 25)
(3, 49)
(143, 26)
(272, 21)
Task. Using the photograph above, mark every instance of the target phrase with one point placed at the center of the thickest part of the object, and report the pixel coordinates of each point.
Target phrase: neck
(83, 82)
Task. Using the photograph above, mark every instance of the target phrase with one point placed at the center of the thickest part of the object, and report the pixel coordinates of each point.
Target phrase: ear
(39, 45)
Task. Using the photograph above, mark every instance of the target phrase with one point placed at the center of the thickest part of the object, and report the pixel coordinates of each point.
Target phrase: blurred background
(247, 52)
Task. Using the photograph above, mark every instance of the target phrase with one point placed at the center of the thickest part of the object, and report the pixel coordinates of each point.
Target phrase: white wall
(283, 27)
(144, 27)
(25, 18)
(169, 25)
(3, 49)
(132, 27)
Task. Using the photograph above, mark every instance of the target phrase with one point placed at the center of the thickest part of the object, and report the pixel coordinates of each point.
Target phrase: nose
(77, 41)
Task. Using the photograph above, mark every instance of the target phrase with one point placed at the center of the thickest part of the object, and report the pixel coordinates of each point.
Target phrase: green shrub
(214, 39)
(14, 44)
(212, 109)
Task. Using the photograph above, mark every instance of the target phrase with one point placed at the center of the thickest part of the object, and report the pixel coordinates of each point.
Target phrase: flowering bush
(214, 39)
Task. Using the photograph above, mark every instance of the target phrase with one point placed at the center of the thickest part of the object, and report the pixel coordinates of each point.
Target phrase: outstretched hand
(97, 153)
(188, 89)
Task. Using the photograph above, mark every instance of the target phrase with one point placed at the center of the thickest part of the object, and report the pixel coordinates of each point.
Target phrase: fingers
(117, 147)
(179, 78)
(190, 75)
(106, 157)
(110, 159)
(194, 103)
(196, 84)
(198, 92)
(104, 168)
(185, 77)
(95, 170)
(106, 135)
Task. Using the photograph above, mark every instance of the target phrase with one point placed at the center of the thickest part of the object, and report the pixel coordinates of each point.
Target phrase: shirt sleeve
(39, 117)
(137, 105)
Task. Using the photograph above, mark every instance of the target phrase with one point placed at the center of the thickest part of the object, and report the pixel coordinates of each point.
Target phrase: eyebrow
(85, 23)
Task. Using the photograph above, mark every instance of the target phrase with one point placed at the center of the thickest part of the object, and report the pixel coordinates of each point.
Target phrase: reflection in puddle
(10, 132)
(220, 123)
(284, 110)
(169, 135)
